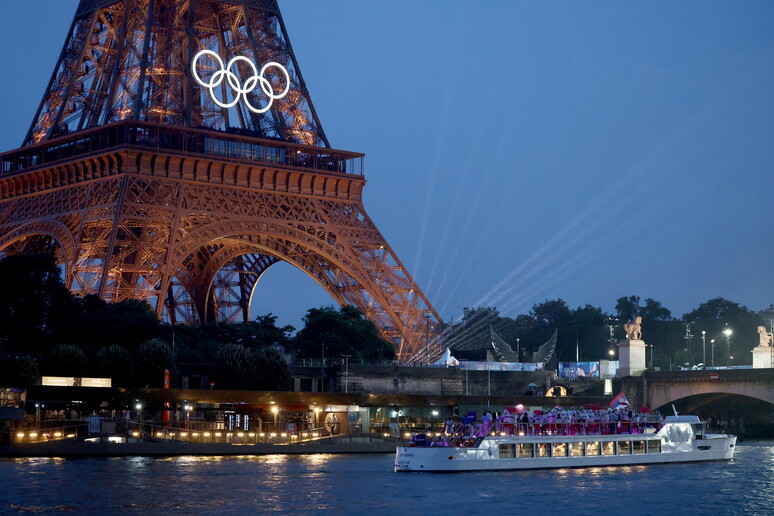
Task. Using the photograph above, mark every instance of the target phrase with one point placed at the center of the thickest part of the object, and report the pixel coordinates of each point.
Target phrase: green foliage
(234, 367)
(273, 372)
(151, 359)
(67, 360)
(114, 362)
(35, 301)
(91, 322)
(22, 372)
(626, 308)
(332, 333)
(714, 317)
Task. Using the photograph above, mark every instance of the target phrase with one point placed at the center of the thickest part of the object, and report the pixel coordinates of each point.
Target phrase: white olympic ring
(233, 80)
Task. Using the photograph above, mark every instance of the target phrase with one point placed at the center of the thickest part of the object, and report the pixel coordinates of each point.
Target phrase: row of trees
(45, 330)
(591, 333)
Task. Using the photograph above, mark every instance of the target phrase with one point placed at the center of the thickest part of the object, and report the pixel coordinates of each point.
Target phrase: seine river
(365, 484)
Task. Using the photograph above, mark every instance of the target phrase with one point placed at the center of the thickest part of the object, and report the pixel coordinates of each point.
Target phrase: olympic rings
(232, 79)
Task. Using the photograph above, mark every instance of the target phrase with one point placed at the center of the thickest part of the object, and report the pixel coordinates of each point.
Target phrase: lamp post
(712, 343)
(703, 347)
(518, 350)
(727, 332)
(322, 367)
(275, 411)
(187, 408)
(427, 334)
(688, 337)
(611, 325)
(346, 372)
(138, 406)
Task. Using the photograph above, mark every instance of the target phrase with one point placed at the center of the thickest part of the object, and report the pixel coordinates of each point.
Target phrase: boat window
(654, 446)
(543, 450)
(507, 451)
(624, 447)
(608, 448)
(559, 450)
(526, 450)
(593, 449)
(639, 447)
(576, 449)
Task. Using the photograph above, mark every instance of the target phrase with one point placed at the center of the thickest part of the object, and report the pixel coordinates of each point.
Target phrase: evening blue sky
(524, 151)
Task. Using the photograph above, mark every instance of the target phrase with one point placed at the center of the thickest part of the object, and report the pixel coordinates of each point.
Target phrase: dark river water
(365, 484)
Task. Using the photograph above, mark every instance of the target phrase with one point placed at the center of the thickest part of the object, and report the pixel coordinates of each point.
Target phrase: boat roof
(682, 419)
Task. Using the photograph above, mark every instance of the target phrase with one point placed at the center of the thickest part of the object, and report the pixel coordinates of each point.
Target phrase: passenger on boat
(449, 428)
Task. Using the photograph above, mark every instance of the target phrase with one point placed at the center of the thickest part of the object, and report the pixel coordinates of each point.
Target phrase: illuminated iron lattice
(151, 190)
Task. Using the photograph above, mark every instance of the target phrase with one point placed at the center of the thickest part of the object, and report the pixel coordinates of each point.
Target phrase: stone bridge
(658, 388)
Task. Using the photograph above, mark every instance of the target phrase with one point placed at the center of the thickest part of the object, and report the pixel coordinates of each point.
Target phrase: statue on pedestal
(633, 329)
(766, 338)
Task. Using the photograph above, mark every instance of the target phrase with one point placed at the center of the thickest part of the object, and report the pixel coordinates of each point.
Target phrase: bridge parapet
(663, 387)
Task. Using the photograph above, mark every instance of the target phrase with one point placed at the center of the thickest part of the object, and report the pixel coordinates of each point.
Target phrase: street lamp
(712, 343)
(346, 372)
(187, 408)
(688, 337)
(703, 347)
(138, 406)
(727, 332)
(275, 410)
(427, 334)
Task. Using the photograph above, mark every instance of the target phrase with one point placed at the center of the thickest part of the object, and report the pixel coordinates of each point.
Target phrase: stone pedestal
(631, 357)
(763, 357)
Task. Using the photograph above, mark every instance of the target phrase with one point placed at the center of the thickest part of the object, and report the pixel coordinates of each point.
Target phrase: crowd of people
(557, 421)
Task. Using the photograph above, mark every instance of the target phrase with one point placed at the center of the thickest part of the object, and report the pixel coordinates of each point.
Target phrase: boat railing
(466, 434)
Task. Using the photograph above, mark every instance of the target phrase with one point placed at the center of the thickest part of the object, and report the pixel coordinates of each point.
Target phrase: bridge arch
(665, 389)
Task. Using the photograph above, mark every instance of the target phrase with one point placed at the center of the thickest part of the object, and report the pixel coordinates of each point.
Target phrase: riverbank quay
(344, 444)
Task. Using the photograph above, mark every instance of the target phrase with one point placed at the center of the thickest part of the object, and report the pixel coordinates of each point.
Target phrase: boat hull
(487, 457)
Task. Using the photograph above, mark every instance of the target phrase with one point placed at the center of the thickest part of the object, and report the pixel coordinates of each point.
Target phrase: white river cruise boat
(677, 439)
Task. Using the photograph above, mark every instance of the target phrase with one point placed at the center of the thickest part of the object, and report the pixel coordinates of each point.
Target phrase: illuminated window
(624, 447)
(559, 450)
(576, 449)
(608, 448)
(543, 450)
(639, 447)
(593, 449)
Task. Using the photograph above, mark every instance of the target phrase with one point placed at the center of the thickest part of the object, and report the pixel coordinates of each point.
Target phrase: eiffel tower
(176, 156)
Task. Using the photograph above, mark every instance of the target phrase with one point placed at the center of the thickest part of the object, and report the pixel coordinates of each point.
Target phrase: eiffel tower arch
(176, 155)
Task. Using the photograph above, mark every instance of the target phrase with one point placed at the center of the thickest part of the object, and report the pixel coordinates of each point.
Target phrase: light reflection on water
(360, 484)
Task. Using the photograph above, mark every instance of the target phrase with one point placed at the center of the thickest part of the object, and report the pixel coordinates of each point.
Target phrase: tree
(35, 300)
(67, 360)
(234, 367)
(22, 372)
(91, 322)
(655, 311)
(590, 324)
(334, 333)
(717, 314)
(114, 362)
(151, 359)
(550, 316)
(273, 373)
(627, 308)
